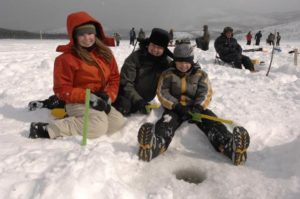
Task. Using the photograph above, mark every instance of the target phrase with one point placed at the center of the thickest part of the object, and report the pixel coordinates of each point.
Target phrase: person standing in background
(117, 38)
(132, 36)
(249, 38)
(203, 41)
(257, 38)
(171, 34)
(278, 38)
(141, 35)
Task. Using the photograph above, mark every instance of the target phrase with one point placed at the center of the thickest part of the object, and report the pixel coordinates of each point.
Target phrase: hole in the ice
(190, 175)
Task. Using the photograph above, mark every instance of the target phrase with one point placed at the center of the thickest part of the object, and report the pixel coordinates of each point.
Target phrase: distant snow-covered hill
(108, 167)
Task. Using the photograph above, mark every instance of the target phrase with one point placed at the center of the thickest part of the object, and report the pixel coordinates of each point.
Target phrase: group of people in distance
(270, 39)
(182, 88)
(141, 36)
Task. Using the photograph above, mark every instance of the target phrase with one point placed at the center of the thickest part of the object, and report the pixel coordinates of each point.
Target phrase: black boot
(50, 103)
(38, 130)
(123, 105)
(236, 148)
(150, 145)
(33, 105)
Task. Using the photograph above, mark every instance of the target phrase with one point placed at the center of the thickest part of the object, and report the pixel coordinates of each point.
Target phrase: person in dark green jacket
(140, 73)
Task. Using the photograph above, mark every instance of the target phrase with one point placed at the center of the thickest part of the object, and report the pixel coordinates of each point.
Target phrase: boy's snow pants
(217, 133)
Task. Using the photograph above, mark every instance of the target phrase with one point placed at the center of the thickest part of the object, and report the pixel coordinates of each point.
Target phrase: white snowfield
(108, 167)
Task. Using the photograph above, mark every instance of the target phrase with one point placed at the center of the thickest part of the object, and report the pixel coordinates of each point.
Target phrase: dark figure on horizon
(132, 36)
(257, 38)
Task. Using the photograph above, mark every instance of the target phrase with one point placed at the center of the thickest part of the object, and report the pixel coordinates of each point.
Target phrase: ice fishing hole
(190, 175)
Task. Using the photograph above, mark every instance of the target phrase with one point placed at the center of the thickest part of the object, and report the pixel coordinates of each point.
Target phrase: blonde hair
(101, 50)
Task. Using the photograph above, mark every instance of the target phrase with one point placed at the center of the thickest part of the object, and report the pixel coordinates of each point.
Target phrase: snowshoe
(236, 149)
(38, 130)
(150, 145)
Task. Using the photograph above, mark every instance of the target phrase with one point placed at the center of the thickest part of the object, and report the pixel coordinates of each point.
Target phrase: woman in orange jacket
(85, 63)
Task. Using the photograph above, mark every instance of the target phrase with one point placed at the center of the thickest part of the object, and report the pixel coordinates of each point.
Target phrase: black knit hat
(184, 53)
(159, 37)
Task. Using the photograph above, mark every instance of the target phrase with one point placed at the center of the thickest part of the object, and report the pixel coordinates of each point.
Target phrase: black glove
(124, 110)
(123, 105)
(53, 102)
(183, 111)
(141, 106)
(106, 98)
(99, 104)
(197, 108)
(102, 95)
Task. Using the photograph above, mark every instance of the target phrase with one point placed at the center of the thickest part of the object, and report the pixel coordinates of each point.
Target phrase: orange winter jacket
(72, 75)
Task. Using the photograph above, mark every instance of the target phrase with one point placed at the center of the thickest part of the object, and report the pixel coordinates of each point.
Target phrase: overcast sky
(34, 15)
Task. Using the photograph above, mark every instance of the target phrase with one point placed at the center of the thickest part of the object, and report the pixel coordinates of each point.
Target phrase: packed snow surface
(108, 167)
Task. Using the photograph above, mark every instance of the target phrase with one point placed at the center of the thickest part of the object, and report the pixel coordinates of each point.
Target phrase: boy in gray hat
(182, 90)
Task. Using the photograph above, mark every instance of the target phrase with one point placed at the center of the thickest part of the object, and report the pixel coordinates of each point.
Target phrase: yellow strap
(152, 106)
(216, 119)
(198, 116)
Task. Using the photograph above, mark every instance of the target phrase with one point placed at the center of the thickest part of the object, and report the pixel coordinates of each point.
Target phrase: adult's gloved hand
(141, 107)
(123, 105)
(99, 104)
(53, 102)
(103, 95)
(183, 111)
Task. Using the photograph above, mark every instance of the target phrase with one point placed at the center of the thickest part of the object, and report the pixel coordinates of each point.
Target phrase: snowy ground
(108, 167)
